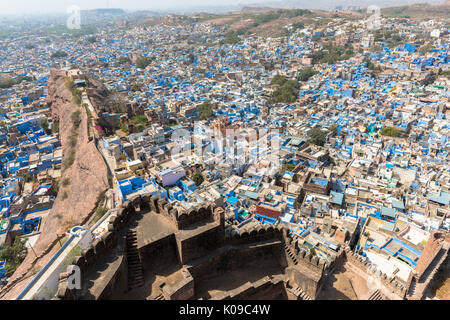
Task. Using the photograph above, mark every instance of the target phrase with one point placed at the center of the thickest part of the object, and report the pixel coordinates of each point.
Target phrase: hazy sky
(51, 6)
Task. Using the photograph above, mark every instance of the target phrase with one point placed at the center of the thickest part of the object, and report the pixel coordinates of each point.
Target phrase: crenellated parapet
(181, 219)
(182, 289)
(393, 284)
(308, 259)
(266, 288)
(195, 215)
(255, 234)
(88, 258)
(101, 246)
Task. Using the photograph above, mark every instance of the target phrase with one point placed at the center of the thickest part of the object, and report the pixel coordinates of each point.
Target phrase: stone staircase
(290, 254)
(376, 296)
(159, 297)
(298, 292)
(412, 288)
(301, 294)
(417, 288)
(135, 272)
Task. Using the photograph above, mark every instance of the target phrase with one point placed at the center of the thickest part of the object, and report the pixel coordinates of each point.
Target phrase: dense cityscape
(257, 154)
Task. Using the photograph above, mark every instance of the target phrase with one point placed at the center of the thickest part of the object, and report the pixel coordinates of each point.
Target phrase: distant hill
(330, 5)
(270, 22)
(104, 12)
(419, 11)
(255, 9)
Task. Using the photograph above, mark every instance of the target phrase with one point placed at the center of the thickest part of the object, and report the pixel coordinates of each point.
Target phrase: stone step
(134, 261)
(135, 271)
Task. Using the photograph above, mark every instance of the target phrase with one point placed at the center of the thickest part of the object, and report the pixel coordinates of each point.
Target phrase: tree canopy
(205, 110)
(286, 90)
(44, 125)
(14, 255)
(331, 54)
(59, 54)
(306, 73)
(317, 136)
(197, 177)
(143, 62)
(390, 132)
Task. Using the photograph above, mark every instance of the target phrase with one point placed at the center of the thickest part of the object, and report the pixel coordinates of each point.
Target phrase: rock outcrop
(75, 202)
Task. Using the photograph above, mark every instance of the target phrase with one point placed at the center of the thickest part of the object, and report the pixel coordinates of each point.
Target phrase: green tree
(197, 177)
(123, 60)
(429, 79)
(317, 136)
(27, 177)
(76, 118)
(369, 64)
(426, 48)
(99, 212)
(139, 120)
(76, 95)
(286, 90)
(143, 62)
(307, 73)
(231, 37)
(289, 166)
(55, 127)
(44, 125)
(136, 87)
(334, 128)
(278, 80)
(68, 82)
(14, 255)
(205, 110)
(390, 132)
(59, 54)
(298, 25)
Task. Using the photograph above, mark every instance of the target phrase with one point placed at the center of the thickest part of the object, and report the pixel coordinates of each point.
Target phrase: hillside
(419, 11)
(270, 22)
(75, 203)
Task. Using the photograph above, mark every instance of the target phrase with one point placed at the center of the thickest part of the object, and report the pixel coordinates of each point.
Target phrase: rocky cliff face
(75, 202)
(98, 94)
(88, 173)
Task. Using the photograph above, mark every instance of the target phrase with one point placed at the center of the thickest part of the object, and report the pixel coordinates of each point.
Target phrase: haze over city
(18, 7)
(228, 150)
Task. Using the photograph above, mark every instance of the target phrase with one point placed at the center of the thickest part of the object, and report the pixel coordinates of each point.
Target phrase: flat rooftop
(151, 227)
